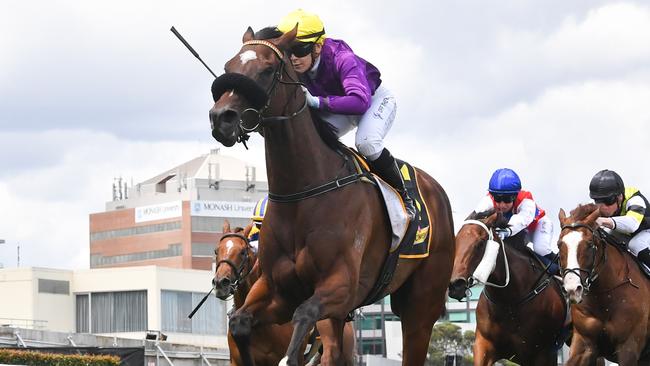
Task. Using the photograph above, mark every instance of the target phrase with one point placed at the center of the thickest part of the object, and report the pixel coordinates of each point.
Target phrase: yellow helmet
(310, 27)
(260, 209)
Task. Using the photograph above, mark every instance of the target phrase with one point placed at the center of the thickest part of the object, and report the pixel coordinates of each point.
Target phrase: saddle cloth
(411, 239)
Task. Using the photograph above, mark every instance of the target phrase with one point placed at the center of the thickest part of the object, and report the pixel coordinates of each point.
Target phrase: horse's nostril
(224, 282)
(228, 116)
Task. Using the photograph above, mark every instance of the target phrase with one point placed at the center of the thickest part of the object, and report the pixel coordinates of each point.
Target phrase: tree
(447, 339)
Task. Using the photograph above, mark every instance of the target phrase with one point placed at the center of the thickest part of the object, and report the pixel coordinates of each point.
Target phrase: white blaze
(572, 240)
(489, 261)
(247, 56)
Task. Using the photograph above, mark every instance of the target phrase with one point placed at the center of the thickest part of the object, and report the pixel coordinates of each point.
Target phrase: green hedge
(19, 357)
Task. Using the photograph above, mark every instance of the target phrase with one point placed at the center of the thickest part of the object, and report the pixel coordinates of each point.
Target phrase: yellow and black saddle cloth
(410, 239)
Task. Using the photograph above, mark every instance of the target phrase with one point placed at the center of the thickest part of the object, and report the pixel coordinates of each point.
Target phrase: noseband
(252, 119)
(505, 257)
(591, 273)
(237, 269)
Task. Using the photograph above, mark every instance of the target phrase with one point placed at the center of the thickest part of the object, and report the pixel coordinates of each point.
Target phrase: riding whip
(200, 303)
(191, 49)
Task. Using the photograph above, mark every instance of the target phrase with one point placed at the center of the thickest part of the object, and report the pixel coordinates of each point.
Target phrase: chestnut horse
(326, 234)
(235, 273)
(609, 294)
(521, 312)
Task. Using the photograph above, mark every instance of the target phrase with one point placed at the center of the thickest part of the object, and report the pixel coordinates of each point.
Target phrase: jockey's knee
(371, 149)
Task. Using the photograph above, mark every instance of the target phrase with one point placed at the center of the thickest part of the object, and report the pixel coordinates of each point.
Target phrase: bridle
(253, 119)
(472, 280)
(238, 270)
(593, 270)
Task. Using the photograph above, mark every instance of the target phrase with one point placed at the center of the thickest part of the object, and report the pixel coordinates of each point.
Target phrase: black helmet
(606, 183)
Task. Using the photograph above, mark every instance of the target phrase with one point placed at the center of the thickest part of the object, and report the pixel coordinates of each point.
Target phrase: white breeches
(372, 126)
(542, 237)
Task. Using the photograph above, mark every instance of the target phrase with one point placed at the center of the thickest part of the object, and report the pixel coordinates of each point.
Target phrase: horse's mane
(582, 211)
(500, 222)
(326, 131)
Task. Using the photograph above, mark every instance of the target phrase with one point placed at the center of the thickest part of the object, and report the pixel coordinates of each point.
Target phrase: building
(120, 302)
(175, 218)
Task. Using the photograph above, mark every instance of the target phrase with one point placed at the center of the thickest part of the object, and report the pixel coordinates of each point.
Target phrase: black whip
(191, 49)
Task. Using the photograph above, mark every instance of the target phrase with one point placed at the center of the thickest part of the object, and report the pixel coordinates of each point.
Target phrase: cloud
(94, 90)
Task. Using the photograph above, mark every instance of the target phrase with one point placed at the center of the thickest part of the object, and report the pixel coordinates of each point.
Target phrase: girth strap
(335, 184)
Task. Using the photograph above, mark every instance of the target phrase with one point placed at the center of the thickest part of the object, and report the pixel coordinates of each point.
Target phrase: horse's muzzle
(457, 288)
(225, 125)
(222, 288)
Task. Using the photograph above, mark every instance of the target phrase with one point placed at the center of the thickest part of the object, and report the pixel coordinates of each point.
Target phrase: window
(372, 346)
(53, 287)
(138, 230)
(173, 250)
(215, 224)
(203, 249)
(112, 312)
(177, 305)
(83, 314)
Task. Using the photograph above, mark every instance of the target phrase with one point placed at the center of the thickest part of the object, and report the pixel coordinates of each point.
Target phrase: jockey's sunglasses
(507, 198)
(301, 49)
(606, 200)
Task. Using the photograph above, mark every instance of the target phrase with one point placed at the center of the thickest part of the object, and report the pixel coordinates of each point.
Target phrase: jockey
(258, 217)
(624, 210)
(505, 196)
(347, 92)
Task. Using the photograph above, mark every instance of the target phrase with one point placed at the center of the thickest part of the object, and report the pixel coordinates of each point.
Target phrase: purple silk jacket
(342, 78)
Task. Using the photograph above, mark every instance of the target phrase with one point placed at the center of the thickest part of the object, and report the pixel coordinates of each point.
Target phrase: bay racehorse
(609, 294)
(326, 234)
(521, 312)
(236, 272)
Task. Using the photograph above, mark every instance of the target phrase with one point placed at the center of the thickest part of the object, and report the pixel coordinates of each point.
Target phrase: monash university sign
(162, 211)
(222, 209)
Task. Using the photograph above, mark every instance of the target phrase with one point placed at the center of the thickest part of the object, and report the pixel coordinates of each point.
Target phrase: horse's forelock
(268, 33)
(582, 211)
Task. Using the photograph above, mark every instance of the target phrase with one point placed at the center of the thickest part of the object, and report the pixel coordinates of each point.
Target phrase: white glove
(312, 101)
(504, 232)
(605, 222)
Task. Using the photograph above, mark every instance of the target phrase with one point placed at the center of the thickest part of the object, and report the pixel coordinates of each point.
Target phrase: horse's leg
(627, 352)
(331, 333)
(418, 309)
(349, 345)
(260, 307)
(582, 352)
(484, 352)
(304, 319)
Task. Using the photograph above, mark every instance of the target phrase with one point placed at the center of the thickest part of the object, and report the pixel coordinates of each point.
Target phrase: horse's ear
(247, 229)
(490, 220)
(592, 216)
(248, 35)
(226, 226)
(562, 216)
(285, 40)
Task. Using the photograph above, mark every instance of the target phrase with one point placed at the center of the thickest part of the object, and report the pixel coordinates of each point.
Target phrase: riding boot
(386, 167)
(553, 267)
(644, 257)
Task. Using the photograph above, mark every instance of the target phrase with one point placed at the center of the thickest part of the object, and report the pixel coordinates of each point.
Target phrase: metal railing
(23, 323)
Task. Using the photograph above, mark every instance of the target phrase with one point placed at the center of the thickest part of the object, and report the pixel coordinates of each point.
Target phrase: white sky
(92, 90)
